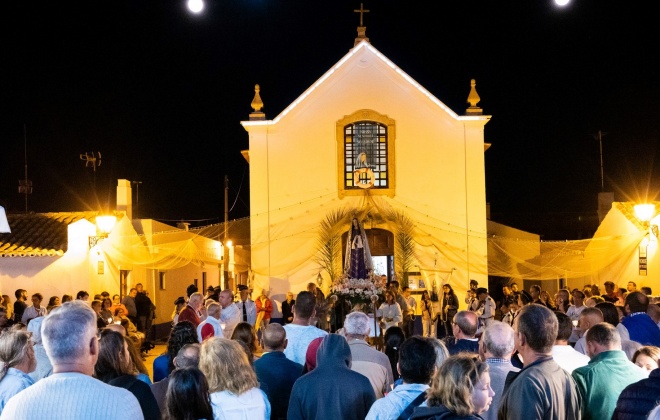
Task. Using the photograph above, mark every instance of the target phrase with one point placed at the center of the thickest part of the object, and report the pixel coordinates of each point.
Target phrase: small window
(365, 155)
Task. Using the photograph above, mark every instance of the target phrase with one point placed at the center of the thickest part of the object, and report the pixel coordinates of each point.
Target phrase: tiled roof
(39, 234)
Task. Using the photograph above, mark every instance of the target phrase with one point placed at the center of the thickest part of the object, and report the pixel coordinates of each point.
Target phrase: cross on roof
(361, 11)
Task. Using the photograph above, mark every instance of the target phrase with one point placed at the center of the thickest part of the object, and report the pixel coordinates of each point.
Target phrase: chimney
(125, 197)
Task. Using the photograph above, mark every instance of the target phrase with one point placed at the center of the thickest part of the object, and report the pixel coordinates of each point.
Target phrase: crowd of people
(526, 355)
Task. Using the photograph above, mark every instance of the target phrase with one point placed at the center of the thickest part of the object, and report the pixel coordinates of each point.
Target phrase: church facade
(367, 141)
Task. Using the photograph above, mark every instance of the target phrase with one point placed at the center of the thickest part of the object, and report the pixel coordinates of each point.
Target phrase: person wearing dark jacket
(332, 390)
(638, 399)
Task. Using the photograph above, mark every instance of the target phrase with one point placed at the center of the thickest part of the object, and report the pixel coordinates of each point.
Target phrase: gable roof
(352, 55)
(39, 234)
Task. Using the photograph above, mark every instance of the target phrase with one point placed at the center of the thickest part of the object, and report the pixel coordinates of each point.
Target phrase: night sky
(161, 93)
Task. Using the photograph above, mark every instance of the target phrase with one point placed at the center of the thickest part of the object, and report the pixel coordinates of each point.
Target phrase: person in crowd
(300, 333)
(609, 371)
(496, 348)
(17, 361)
(191, 289)
(588, 317)
(574, 312)
(19, 304)
(610, 292)
(233, 383)
(34, 310)
(460, 389)
(486, 309)
(210, 327)
(637, 400)
(287, 308)
(428, 315)
(408, 314)
(593, 301)
(245, 333)
(417, 363)
(137, 365)
(586, 290)
(188, 396)
(44, 367)
(542, 389)
(229, 314)
(53, 302)
(441, 352)
(9, 307)
(145, 310)
(131, 330)
(471, 296)
(184, 332)
(621, 294)
(116, 304)
(179, 305)
(535, 292)
(186, 357)
(389, 312)
(191, 312)
(276, 371)
(114, 367)
(632, 287)
(246, 307)
(265, 307)
(464, 328)
(129, 303)
(393, 339)
(100, 321)
(5, 321)
(547, 300)
(320, 318)
(509, 310)
(595, 290)
(562, 352)
(647, 357)
(345, 394)
(562, 301)
(69, 336)
(646, 290)
(82, 295)
(638, 325)
(448, 308)
(66, 298)
(366, 360)
(106, 310)
(654, 312)
(310, 355)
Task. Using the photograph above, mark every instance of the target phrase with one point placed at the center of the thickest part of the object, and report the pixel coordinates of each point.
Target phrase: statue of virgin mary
(357, 264)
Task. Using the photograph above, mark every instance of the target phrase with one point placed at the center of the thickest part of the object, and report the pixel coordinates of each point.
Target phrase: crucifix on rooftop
(361, 30)
(361, 11)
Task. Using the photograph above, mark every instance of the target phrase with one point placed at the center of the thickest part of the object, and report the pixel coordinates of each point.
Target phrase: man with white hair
(210, 327)
(69, 336)
(191, 311)
(495, 348)
(373, 364)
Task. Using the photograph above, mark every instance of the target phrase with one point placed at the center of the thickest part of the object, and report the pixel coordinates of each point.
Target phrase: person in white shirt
(210, 327)
(389, 312)
(566, 356)
(574, 312)
(229, 315)
(300, 333)
(35, 310)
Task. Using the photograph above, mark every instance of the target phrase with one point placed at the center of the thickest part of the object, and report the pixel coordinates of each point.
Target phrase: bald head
(497, 340)
(188, 356)
(274, 337)
(466, 322)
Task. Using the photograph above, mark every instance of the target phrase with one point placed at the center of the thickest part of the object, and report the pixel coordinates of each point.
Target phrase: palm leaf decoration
(329, 242)
(404, 244)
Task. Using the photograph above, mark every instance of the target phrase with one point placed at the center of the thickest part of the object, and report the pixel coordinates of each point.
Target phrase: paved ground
(153, 353)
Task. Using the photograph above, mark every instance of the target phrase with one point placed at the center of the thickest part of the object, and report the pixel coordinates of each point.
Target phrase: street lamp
(104, 225)
(645, 213)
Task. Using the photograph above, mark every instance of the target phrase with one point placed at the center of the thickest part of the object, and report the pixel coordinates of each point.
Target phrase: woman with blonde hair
(460, 389)
(647, 357)
(235, 392)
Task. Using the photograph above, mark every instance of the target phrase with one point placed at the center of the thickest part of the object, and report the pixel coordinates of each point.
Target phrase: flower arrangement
(358, 291)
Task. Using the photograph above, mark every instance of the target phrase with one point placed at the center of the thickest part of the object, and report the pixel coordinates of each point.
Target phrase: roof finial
(361, 30)
(257, 104)
(473, 100)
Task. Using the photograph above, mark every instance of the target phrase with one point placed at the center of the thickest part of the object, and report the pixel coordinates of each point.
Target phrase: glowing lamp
(104, 225)
(645, 212)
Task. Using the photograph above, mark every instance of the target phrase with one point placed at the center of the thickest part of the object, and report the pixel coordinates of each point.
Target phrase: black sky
(160, 93)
